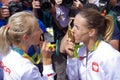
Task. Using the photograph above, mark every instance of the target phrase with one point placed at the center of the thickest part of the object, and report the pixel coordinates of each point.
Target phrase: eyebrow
(76, 26)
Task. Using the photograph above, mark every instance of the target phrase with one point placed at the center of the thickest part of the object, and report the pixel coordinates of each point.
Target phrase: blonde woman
(16, 38)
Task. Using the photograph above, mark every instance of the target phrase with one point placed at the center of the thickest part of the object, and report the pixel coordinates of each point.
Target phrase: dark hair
(103, 24)
(45, 5)
(91, 5)
(66, 3)
(15, 7)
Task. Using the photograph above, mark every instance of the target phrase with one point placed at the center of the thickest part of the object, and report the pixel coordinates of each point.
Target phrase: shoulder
(30, 72)
(20, 66)
(105, 47)
(107, 53)
(108, 57)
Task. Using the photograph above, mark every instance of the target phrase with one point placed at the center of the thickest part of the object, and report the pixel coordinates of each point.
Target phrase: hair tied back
(7, 26)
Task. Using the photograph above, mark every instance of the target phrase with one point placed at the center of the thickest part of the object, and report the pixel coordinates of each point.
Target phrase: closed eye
(77, 27)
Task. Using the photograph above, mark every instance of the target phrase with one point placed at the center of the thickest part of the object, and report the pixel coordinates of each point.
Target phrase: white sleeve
(112, 68)
(32, 73)
(48, 72)
(72, 69)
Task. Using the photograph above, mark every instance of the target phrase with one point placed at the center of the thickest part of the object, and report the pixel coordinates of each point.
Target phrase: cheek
(77, 33)
(36, 38)
(80, 36)
(77, 36)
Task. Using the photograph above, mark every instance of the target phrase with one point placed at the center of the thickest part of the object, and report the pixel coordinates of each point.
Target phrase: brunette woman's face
(80, 30)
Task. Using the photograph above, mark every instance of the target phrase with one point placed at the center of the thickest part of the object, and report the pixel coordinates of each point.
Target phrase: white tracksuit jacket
(102, 64)
(17, 67)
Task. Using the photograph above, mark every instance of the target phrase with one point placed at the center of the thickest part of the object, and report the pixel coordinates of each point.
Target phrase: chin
(77, 41)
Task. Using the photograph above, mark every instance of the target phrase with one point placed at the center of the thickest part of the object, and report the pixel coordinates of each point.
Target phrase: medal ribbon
(93, 49)
(35, 59)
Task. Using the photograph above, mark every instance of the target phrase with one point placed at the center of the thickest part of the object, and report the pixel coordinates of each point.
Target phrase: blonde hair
(19, 24)
(110, 27)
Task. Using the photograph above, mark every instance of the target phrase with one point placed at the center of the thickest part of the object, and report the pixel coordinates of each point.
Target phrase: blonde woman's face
(35, 36)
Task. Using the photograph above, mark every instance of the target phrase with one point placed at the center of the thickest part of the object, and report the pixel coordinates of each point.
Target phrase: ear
(92, 32)
(25, 38)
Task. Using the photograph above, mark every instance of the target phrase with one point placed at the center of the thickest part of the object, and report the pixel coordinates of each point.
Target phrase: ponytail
(109, 28)
(4, 46)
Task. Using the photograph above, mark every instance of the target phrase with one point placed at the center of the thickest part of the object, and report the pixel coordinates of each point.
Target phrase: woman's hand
(67, 46)
(46, 54)
(77, 4)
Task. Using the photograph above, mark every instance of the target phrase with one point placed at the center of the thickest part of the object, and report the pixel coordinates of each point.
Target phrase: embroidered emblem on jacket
(95, 67)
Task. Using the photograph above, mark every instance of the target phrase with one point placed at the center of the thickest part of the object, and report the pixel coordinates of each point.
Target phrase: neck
(90, 44)
(24, 48)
